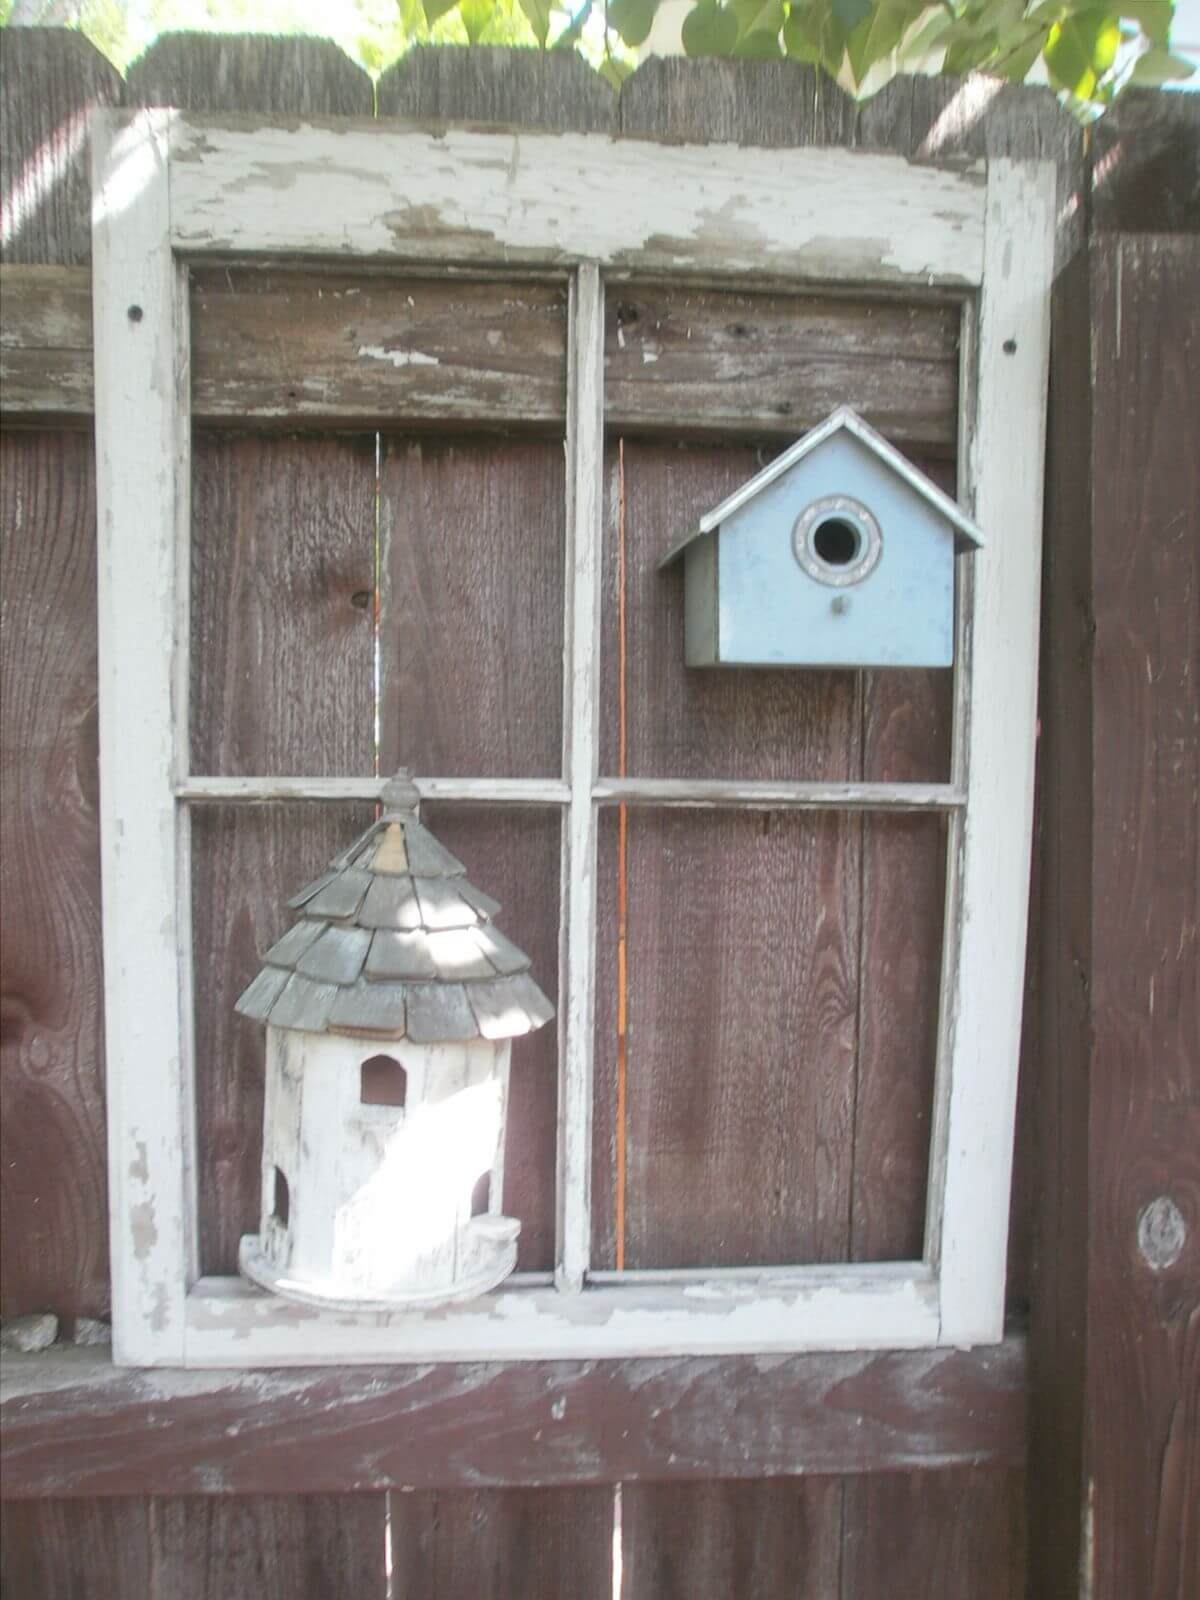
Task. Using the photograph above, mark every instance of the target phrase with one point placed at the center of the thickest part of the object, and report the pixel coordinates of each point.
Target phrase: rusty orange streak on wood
(622, 884)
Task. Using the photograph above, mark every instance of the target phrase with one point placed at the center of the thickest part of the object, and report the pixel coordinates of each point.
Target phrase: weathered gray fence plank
(51, 80)
(291, 76)
(553, 91)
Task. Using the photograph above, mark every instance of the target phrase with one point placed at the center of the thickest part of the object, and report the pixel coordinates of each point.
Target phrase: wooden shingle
(393, 941)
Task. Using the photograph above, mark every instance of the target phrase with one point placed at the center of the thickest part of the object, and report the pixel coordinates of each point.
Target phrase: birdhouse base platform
(493, 1255)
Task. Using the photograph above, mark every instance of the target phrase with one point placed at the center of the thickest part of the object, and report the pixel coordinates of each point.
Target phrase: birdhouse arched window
(383, 1082)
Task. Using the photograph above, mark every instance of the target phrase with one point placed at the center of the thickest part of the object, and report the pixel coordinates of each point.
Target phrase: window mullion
(585, 501)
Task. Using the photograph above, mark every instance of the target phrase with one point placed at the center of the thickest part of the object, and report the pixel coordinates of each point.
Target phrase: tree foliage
(1087, 49)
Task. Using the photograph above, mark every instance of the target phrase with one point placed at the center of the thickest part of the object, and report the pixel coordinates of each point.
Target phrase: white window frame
(169, 189)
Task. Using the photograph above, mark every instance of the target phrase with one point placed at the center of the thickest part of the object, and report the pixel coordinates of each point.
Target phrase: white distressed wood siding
(379, 190)
(1006, 467)
(581, 753)
(142, 493)
(890, 1306)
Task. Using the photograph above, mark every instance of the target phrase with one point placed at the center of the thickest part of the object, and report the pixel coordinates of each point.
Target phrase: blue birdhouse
(839, 554)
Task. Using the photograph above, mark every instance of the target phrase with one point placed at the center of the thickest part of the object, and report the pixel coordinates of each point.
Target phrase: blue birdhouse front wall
(751, 600)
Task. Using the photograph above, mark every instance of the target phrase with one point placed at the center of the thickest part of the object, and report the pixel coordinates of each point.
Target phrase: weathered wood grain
(553, 90)
(741, 1541)
(45, 342)
(924, 1533)
(286, 1547)
(309, 347)
(293, 76)
(345, 347)
(770, 366)
(471, 607)
(774, 104)
(1143, 1400)
(462, 1545)
(53, 1166)
(77, 1549)
(283, 563)
(743, 995)
(1145, 165)
(502, 1424)
(1061, 946)
(50, 82)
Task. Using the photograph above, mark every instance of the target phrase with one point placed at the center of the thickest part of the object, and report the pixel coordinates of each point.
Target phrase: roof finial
(400, 793)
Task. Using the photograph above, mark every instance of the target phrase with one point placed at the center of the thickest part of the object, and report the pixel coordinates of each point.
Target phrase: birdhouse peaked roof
(393, 942)
(966, 535)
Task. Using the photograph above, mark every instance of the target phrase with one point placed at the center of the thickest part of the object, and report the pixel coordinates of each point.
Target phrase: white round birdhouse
(390, 1008)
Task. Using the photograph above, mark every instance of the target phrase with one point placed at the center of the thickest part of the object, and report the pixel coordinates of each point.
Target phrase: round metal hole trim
(845, 509)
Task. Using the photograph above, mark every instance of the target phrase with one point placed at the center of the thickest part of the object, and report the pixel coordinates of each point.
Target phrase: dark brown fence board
(684, 723)
(533, 1544)
(742, 1541)
(282, 580)
(68, 1420)
(515, 853)
(471, 607)
(743, 993)
(1144, 1281)
(1061, 948)
(1145, 166)
(286, 1547)
(53, 1167)
(899, 958)
(682, 360)
(50, 82)
(923, 1534)
(77, 1550)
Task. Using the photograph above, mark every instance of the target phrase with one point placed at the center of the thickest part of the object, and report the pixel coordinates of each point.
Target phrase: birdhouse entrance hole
(837, 542)
(281, 1199)
(384, 1082)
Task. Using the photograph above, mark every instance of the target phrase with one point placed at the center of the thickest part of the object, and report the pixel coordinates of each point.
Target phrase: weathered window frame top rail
(170, 189)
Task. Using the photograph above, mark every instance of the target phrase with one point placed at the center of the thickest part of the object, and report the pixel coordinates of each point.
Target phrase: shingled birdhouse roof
(393, 942)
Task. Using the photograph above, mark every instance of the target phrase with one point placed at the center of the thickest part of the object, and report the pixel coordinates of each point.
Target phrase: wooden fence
(848, 1476)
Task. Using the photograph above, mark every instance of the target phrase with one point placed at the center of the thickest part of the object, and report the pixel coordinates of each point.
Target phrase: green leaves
(1159, 66)
(538, 14)
(632, 19)
(436, 9)
(1080, 49)
(710, 29)
(475, 14)
(1090, 48)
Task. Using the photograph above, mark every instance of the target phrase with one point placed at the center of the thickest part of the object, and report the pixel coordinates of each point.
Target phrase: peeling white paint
(398, 358)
